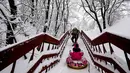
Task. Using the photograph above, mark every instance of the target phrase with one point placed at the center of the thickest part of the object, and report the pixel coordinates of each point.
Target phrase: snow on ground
(93, 33)
(62, 66)
(121, 28)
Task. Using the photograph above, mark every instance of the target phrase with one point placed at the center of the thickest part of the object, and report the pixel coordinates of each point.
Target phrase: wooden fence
(106, 61)
(13, 53)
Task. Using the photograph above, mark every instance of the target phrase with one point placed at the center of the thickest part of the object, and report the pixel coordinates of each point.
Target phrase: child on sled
(76, 54)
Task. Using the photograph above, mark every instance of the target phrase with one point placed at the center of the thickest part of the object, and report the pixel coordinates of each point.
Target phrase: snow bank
(121, 28)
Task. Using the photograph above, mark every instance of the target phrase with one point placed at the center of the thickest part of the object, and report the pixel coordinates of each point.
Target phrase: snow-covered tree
(101, 10)
(23, 18)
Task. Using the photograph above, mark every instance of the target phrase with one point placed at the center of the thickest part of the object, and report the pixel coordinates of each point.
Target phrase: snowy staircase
(42, 52)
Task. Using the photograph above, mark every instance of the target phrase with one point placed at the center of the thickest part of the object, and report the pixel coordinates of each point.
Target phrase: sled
(76, 64)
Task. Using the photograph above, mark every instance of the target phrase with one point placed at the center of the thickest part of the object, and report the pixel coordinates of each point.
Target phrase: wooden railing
(13, 53)
(103, 58)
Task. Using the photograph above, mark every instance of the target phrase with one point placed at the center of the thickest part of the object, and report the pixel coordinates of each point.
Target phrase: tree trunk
(47, 10)
(98, 23)
(13, 10)
(32, 9)
(49, 23)
(67, 14)
(10, 38)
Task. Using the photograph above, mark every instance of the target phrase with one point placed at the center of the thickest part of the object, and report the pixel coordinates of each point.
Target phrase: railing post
(100, 51)
(48, 47)
(102, 70)
(42, 47)
(98, 69)
(52, 47)
(114, 66)
(104, 50)
(46, 69)
(127, 60)
(32, 55)
(90, 45)
(39, 47)
(111, 50)
(55, 47)
(13, 67)
(93, 48)
(96, 48)
(25, 57)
